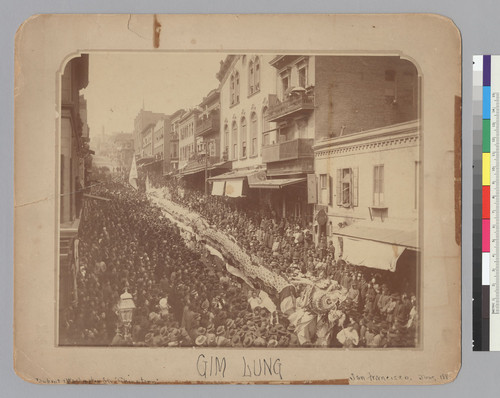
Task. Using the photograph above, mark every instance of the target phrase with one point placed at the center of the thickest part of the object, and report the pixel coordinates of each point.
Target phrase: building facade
(368, 196)
(159, 138)
(74, 137)
(75, 163)
(142, 120)
(159, 131)
(206, 159)
(366, 186)
(187, 142)
(171, 165)
(247, 85)
(208, 126)
(147, 142)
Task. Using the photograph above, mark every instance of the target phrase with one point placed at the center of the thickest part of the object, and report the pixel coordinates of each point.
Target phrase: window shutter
(339, 187)
(318, 189)
(311, 189)
(330, 190)
(354, 184)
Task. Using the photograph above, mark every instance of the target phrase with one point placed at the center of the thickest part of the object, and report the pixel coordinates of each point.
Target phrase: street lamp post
(206, 171)
(207, 148)
(126, 308)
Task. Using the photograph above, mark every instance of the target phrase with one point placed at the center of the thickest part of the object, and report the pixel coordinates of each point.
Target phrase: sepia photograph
(242, 212)
(264, 200)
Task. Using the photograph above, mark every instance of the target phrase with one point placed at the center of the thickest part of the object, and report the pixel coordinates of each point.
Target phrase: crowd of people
(127, 243)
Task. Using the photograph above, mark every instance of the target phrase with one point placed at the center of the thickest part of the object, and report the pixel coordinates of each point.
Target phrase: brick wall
(363, 93)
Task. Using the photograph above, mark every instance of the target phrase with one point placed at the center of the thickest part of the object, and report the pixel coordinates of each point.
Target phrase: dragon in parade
(312, 307)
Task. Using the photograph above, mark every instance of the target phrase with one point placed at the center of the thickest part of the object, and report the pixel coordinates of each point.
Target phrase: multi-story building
(324, 96)
(366, 186)
(147, 143)
(142, 120)
(75, 162)
(160, 136)
(171, 164)
(247, 86)
(187, 144)
(207, 158)
(207, 128)
(74, 138)
(123, 150)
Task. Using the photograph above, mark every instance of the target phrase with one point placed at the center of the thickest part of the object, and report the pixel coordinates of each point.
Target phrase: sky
(119, 83)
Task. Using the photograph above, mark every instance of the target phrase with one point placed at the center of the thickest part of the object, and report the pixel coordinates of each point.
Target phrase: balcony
(296, 104)
(288, 150)
(208, 125)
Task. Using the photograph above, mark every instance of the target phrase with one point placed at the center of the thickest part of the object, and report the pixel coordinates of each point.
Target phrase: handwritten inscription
(211, 366)
(370, 377)
(215, 366)
(395, 378)
(262, 367)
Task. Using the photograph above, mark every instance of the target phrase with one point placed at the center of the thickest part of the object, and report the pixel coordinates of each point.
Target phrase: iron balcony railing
(293, 104)
(288, 150)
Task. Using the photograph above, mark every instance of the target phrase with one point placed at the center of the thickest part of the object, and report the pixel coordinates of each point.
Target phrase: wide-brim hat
(148, 338)
(248, 340)
(272, 343)
(201, 330)
(201, 340)
(163, 330)
(236, 340)
(220, 330)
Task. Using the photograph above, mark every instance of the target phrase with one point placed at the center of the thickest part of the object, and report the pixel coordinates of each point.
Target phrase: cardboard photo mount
(45, 42)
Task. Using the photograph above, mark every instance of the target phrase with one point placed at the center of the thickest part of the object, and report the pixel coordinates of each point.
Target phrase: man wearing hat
(201, 341)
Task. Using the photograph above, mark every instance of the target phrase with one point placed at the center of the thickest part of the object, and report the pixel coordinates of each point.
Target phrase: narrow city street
(259, 207)
(197, 278)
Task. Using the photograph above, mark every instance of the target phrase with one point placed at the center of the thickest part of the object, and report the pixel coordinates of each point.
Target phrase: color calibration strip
(486, 202)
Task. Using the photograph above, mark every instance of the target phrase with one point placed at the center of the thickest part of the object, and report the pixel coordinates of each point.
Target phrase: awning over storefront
(194, 167)
(234, 188)
(371, 254)
(236, 174)
(218, 188)
(380, 233)
(221, 165)
(234, 180)
(277, 183)
(145, 161)
(375, 246)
